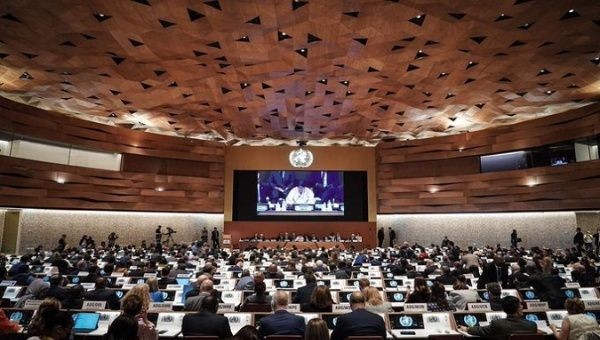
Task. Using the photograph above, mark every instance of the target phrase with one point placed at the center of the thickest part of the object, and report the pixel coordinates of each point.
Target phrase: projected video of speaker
(300, 193)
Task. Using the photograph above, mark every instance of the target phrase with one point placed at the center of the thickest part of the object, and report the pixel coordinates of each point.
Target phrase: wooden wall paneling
(52, 126)
(26, 183)
(577, 123)
(573, 186)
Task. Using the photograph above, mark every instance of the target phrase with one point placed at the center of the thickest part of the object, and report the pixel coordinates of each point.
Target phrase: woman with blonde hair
(135, 304)
(316, 329)
(576, 323)
(374, 302)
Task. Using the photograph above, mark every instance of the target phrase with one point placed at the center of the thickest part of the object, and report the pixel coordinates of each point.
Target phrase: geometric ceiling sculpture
(332, 71)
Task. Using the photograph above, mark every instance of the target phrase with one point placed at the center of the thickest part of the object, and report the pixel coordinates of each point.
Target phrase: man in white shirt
(300, 195)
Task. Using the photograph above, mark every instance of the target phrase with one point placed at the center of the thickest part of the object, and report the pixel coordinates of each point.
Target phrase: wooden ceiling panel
(329, 71)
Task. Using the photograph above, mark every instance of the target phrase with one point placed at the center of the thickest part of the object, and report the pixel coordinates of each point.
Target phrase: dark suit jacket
(489, 274)
(112, 301)
(358, 323)
(304, 293)
(502, 328)
(206, 323)
(56, 292)
(281, 323)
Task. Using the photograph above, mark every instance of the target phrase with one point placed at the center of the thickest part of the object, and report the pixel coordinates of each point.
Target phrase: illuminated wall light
(461, 149)
(433, 190)
(532, 182)
(160, 189)
(60, 180)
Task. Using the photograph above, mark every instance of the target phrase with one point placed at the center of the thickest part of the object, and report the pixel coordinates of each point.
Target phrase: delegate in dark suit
(280, 183)
(304, 293)
(502, 328)
(206, 323)
(103, 294)
(490, 274)
(281, 323)
(359, 322)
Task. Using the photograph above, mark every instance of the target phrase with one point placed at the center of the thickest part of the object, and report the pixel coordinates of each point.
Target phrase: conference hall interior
(299, 169)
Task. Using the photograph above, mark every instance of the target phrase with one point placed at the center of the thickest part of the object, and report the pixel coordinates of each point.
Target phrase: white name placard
(161, 306)
(591, 304)
(480, 306)
(226, 308)
(293, 308)
(537, 305)
(415, 307)
(174, 287)
(93, 305)
(32, 304)
(341, 308)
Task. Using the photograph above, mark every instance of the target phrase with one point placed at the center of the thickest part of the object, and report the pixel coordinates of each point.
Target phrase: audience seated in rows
(536, 268)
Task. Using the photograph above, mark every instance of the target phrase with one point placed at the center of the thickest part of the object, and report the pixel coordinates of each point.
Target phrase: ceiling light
(418, 16)
(571, 10)
(101, 15)
(461, 149)
(60, 180)
(160, 189)
(346, 82)
(302, 50)
(283, 33)
(433, 190)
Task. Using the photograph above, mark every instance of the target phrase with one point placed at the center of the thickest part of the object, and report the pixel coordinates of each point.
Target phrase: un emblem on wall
(301, 158)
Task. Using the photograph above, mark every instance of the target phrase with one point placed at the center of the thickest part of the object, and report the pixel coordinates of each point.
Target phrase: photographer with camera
(169, 234)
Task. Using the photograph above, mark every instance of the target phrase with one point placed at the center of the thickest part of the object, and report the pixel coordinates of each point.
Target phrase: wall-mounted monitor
(300, 195)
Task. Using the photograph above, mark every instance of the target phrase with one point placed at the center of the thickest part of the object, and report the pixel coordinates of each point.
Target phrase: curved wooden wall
(53, 126)
(442, 174)
(25, 183)
(189, 172)
(582, 122)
